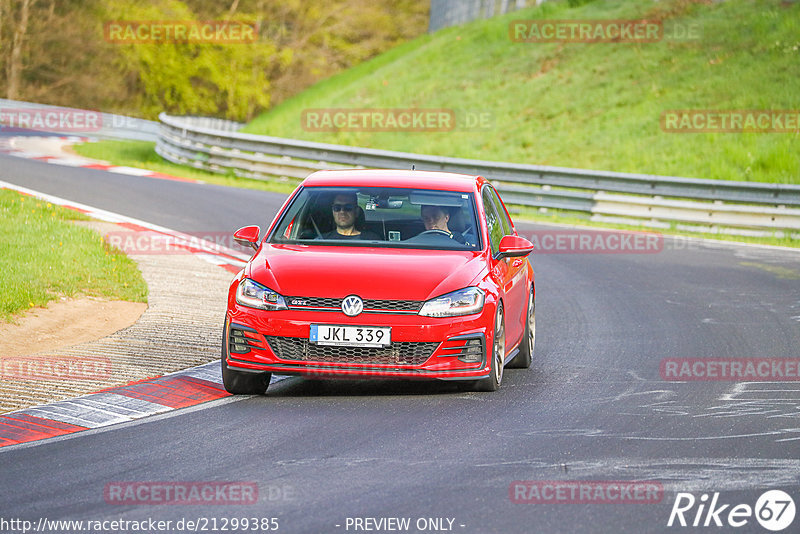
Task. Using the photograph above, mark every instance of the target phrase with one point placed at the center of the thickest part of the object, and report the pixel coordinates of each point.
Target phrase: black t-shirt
(365, 236)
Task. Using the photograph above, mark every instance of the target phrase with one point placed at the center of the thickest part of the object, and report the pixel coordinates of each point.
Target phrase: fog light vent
(467, 349)
(472, 351)
(237, 342)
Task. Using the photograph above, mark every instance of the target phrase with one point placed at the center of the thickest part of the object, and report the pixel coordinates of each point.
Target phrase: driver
(436, 218)
(345, 211)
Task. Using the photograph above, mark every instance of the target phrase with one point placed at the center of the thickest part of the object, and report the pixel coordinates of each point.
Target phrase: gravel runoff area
(181, 328)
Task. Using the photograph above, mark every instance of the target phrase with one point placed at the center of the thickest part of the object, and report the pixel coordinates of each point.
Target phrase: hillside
(117, 56)
(585, 105)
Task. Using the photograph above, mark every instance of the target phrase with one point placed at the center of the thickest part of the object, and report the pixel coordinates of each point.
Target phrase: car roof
(395, 178)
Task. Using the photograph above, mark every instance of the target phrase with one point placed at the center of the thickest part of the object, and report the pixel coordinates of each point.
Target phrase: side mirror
(513, 246)
(247, 236)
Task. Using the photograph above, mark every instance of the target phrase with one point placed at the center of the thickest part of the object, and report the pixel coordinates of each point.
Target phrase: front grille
(400, 353)
(393, 305)
(370, 305)
(313, 302)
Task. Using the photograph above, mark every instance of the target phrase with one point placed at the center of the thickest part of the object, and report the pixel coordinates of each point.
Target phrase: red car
(379, 273)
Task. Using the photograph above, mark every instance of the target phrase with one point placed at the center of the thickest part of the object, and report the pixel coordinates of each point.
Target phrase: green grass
(44, 256)
(592, 106)
(141, 154)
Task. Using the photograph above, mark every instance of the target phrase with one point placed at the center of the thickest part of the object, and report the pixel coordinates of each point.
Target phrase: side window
(492, 220)
(508, 228)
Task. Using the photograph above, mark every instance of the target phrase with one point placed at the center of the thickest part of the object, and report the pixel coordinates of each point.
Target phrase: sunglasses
(345, 207)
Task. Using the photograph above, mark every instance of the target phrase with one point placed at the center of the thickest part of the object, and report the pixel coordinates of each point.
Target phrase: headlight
(254, 295)
(462, 302)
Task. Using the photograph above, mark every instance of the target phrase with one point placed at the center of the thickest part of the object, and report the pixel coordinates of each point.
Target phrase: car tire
(497, 355)
(241, 382)
(523, 359)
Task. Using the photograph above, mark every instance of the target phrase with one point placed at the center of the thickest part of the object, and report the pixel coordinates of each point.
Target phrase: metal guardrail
(190, 141)
(112, 126)
(446, 13)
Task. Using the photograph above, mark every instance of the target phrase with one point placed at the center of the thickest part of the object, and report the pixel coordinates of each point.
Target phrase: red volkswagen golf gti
(389, 274)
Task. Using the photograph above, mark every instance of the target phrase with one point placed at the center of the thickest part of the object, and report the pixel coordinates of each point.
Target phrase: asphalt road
(592, 407)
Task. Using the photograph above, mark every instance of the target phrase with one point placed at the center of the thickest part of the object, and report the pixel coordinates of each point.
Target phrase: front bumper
(452, 348)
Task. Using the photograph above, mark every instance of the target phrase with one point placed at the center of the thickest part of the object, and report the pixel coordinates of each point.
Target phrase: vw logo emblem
(352, 305)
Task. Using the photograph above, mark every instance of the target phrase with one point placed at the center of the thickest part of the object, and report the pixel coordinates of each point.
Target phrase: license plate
(351, 336)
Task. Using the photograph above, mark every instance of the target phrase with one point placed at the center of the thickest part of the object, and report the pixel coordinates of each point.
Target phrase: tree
(17, 15)
(55, 52)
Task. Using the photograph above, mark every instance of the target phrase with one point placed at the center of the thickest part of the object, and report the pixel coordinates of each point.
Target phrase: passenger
(436, 218)
(346, 211)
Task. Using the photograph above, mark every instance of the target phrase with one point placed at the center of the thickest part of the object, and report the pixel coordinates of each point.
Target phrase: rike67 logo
(774, 510)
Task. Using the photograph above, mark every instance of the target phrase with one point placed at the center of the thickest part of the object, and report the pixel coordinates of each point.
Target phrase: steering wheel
(435, 231)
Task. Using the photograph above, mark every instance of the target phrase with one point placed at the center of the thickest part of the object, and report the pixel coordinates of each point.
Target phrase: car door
(509, 273)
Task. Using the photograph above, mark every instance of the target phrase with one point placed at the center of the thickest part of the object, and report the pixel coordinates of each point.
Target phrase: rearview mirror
(513, 246)
(247, 236)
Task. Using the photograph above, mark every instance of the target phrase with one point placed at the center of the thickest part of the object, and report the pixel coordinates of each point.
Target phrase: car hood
(372, 273)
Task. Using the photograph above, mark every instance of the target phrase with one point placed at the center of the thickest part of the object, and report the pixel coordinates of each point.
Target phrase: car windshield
(383, 217)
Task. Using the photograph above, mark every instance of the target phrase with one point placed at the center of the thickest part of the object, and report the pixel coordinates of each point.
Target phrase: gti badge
(352, 305)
